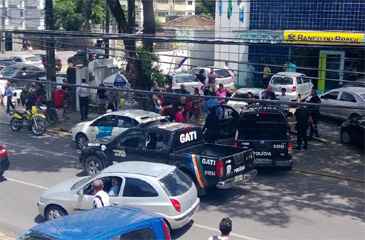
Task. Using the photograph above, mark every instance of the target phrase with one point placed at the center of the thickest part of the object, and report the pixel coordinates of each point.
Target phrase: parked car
(160, 188)
(110, 125)
(35, 60)
(4, 62)
(343, 97)
(224, 76)
(243, 93)
(179, 144)
(124, 223)
(294, 83)
(80, 56)
(4, 161)
(58, 61)
(23, 72)
(188, 80)
(353, 131)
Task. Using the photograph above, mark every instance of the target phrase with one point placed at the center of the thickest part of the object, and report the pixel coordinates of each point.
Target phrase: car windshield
(80, 183)
(263, 126)
(282, 80)
(176, 183)
(184, 78)
(33, 59)
(8, 71)
(222, 73)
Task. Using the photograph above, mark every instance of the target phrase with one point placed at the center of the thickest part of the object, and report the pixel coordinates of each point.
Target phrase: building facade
(277, 16)
(21, 14)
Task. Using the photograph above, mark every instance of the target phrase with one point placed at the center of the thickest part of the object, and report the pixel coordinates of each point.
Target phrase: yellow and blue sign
(324, 38)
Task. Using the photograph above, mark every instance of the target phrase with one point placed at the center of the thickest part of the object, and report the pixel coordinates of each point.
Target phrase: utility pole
(51, 69)
(3, 19)
(107, 26)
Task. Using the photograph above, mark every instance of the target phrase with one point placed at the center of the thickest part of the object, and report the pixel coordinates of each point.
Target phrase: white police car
(110, 125)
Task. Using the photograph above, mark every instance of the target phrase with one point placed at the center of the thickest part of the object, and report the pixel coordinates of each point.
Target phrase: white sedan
(110, 125)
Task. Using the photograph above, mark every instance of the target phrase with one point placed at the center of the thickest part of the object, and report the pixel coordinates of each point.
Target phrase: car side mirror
(80, 193)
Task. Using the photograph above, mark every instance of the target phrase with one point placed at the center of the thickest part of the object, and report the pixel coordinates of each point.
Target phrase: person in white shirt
(83, 93)
(114, 190)
(101, 198)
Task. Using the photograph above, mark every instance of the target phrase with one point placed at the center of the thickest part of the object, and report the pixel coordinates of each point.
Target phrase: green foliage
(73, 15)
(148, 60)
(205, 7)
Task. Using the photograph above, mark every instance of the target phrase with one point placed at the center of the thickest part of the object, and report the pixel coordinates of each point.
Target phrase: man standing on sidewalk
(9, 97)
(83, 93)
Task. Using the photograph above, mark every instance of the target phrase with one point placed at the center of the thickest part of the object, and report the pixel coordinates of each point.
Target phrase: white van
(294, 83)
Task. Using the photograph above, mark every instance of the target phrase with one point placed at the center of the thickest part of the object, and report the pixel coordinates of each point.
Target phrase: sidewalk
(64, 126)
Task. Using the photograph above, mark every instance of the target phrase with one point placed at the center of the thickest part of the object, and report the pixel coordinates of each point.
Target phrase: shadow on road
(274, 195)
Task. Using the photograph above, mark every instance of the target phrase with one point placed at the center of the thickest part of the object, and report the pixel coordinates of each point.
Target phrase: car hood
(60, 188)
(82, 124)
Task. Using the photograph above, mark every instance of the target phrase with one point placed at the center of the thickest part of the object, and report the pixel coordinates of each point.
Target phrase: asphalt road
(277, 206)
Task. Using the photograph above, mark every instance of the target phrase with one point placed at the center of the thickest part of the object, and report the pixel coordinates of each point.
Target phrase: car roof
(290, 74)
(252, 90)
(256, 108)
(150, 169)
(21, 65)
(101, 223)
(174, 126)
(357, 90)
(140, 116)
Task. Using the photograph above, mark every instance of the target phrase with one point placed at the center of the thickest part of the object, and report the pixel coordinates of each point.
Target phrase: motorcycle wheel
(39, 126)
(16, 124)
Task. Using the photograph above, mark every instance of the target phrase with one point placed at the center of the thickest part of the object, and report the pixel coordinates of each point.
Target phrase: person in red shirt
(180, 116)
(58, 100)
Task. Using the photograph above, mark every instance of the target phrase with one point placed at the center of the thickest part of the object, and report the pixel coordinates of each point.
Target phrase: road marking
(41, 150)
(26, 183)
(231, 234)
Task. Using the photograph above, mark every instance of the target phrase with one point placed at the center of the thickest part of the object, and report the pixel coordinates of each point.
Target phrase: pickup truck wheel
(93, 165)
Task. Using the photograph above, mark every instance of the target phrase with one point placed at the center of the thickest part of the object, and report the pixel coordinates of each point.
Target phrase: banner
(324, 38)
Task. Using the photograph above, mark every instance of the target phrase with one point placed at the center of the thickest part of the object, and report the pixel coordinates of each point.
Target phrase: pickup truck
(209, 165)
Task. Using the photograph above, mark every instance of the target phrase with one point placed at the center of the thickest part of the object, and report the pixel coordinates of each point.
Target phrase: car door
(346, 99)
(157, 145)
(86, 192)
(329, 98)
(102, 128)
(123, 123)
(144, 194)
(130, 145)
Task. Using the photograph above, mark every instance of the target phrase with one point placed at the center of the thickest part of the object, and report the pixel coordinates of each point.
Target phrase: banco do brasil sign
(324, 38)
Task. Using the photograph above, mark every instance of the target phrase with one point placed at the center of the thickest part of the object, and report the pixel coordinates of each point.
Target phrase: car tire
(345, 137)
(81, 141)
(93, 165)
(54, 212)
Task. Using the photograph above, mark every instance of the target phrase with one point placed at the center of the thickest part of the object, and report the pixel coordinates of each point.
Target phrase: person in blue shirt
(114, 190)
(9, 95)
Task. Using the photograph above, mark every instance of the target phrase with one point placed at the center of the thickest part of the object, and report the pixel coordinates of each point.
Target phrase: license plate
(238, 178)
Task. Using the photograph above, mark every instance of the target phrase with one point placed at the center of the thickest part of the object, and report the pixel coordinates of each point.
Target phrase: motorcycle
(34, 120)
(50, 112)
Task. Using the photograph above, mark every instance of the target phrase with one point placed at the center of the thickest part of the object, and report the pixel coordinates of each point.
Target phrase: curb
(330, 175)
(52, 130)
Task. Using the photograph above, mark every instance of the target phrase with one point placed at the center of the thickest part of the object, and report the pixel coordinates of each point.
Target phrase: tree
(205, 7)
(77, 15)
(127, 25)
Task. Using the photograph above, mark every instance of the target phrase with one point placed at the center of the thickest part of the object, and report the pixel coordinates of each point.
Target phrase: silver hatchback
(160, 188)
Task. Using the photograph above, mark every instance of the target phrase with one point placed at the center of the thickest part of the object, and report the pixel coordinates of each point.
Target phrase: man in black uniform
(210, 128)
(314, 114)
(302, 117)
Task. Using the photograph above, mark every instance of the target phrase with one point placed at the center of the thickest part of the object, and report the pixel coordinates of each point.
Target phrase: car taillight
(166, 231)
(176, 204)
(3, 152)
(294, 88)
(219, 168)
(290, 147)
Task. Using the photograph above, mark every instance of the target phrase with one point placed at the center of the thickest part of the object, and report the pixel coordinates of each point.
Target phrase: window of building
(190, 2)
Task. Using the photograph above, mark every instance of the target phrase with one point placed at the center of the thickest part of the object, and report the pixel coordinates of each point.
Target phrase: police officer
(210, 128)
(302, 117)
(314, 114)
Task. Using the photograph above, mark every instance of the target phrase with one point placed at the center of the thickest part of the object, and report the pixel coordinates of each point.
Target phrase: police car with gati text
(108, 126)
